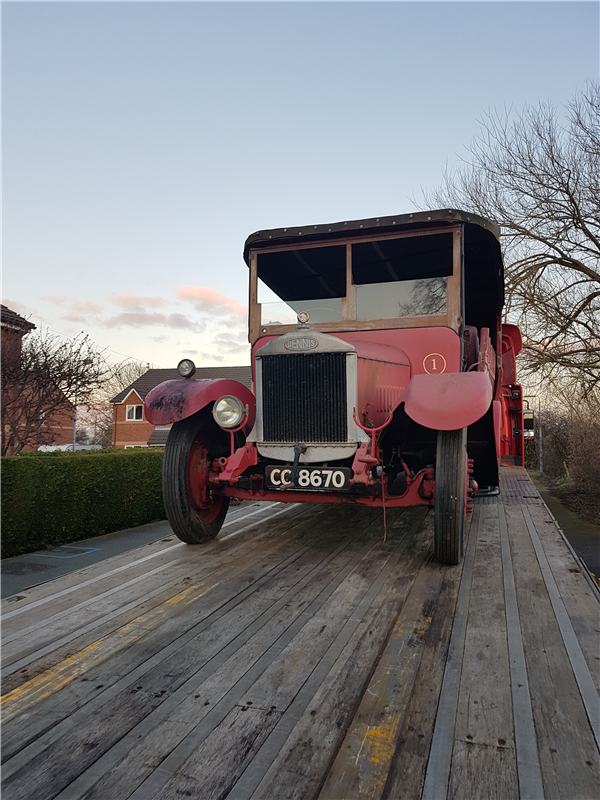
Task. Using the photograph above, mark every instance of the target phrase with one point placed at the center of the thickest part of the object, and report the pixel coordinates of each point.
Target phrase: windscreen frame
(452, 318)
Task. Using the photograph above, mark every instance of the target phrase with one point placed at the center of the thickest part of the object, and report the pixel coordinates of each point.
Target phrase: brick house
(130, 427)
(54, 427)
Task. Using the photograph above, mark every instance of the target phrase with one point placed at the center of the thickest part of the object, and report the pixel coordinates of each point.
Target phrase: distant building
(130, 427)
(51, 428)
(14, 327)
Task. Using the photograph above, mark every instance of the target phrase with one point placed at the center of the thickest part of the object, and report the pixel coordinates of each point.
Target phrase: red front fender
(448, 401)
(172, 401)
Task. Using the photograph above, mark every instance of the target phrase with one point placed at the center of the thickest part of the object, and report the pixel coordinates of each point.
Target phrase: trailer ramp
(300, 655)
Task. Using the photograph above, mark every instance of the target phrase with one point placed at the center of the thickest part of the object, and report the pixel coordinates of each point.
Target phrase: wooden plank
(62, 594)
(215, 766)
(479, 766)
(136, 756)
(440, 756)
(258, 566)
(484, 712)
(108, 573)
(588, 691)
(206, 571)
(301, 751)
(407, 770)
(581, 604)
(299, 663)
(173, 634)
(568, 756)
(364, 759)
(66, 744)
(528, 763)
(61, 599)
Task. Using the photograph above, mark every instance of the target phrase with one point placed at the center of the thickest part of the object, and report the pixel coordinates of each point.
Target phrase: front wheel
(450, 495)
(195, 514)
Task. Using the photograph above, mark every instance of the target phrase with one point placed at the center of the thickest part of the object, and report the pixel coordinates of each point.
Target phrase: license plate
(334, 479)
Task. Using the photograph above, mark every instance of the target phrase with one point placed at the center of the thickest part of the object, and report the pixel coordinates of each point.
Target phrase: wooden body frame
(452, 319)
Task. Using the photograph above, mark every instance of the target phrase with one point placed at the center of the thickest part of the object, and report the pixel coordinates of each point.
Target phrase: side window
(134, 413)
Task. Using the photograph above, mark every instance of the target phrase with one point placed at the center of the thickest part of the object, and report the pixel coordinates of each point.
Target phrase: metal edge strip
(587, 689)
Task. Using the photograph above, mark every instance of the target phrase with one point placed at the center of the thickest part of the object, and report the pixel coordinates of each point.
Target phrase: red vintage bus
(382, 375)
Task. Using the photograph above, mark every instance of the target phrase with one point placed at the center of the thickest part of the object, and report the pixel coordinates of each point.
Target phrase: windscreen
(312, 280)
(399, 278)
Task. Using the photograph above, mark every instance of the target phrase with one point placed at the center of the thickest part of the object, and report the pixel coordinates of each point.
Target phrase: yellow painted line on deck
(52, 680)
(379, 741)
(365, 757)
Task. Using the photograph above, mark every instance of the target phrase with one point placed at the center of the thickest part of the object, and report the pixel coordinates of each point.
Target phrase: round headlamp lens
(186, 368)
(228, 411)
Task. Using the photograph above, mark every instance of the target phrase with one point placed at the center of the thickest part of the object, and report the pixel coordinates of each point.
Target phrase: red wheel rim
(206, 505)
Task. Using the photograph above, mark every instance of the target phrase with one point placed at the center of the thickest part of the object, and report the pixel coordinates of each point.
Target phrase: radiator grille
(304, 398)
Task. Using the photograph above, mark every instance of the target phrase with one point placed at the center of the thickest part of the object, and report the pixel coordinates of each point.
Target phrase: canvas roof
(364, 227)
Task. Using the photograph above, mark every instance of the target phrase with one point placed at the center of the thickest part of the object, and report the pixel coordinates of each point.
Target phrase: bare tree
(538, 176)
(122, 375)
(43, 378)
(98, 415)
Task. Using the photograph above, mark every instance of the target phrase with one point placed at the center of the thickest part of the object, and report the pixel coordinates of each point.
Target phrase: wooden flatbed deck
(299, 656)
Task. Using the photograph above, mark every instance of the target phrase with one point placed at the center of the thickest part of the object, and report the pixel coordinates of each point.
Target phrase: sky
(142, 142)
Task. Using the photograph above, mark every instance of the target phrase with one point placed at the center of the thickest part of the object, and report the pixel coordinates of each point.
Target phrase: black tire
(195, 514)
(450, 495)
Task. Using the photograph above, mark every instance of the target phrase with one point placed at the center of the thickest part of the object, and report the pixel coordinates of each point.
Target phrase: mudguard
(448, 401)
(173, 401)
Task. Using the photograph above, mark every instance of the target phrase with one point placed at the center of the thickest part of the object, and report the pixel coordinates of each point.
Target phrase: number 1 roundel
(434, 362)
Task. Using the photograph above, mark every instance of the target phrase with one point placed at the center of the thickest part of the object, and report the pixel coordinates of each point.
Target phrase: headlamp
(186, 368)
(229, 411)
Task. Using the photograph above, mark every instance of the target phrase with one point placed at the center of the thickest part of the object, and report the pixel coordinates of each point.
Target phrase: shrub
(571, 459)
(49, 499)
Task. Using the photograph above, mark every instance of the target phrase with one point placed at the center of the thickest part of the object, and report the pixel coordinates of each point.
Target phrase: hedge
(49, 499)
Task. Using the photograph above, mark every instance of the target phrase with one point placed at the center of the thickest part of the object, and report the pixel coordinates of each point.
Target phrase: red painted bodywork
(417, 367)
(175, 400)
(419, 492)
(448, 402)
(388, 359)
(509, 432)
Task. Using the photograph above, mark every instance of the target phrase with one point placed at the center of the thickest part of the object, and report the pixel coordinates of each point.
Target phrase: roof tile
(153, 377)
(13, 320)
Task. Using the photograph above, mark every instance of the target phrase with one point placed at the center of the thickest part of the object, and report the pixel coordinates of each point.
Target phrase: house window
(135, 413)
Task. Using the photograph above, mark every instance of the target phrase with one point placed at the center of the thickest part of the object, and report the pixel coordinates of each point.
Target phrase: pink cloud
(76, 308)
(85, 307)
(203, 298)
(134, 319)
(135, 301)
(75, 318)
